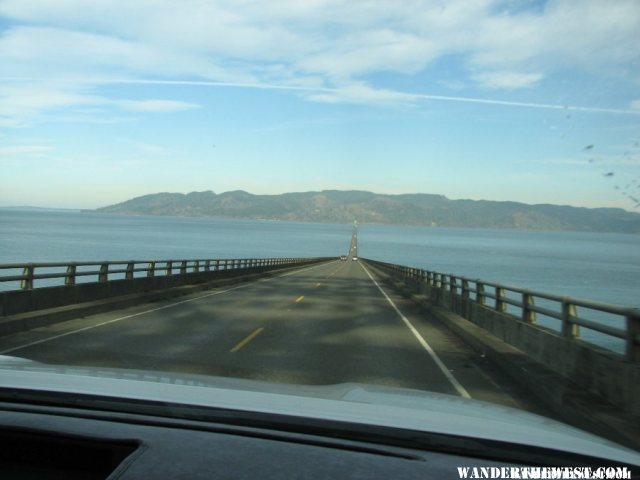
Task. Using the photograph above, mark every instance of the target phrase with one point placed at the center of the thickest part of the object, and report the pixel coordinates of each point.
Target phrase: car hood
(347, 402)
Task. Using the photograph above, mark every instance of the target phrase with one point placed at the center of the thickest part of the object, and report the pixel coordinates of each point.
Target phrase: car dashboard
(42, 439)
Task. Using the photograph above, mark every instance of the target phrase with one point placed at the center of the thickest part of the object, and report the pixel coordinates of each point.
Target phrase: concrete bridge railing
(511, 314)
(497, 297)
(37, 286)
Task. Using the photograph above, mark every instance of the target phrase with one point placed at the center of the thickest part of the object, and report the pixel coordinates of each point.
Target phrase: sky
(530, 101)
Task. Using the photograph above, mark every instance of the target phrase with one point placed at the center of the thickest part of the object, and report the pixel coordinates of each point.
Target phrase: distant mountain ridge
(338, 206)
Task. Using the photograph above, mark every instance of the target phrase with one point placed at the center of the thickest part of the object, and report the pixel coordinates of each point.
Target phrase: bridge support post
(70, 277)
(480, 297)
(27, 283)
(465, 308)
(569, 329)
(633, 336)
(423, 284)
(453, 291)
(453, 287)
(501, 305)
(103, 276)
(129, 273)
(436, 293)
(528, 315)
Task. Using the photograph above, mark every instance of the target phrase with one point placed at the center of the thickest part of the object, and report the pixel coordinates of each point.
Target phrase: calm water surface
(603, 267)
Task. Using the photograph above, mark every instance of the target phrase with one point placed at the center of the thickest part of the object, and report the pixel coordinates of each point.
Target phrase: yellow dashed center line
(300, 298)
(334, 272)
(247, 339)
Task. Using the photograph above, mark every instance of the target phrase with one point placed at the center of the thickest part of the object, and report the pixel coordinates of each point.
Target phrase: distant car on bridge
(343, 258)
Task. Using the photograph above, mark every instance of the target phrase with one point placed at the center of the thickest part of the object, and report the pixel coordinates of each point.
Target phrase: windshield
(431, 195)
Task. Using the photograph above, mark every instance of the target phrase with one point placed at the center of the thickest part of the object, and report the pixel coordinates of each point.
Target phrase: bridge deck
(324, 324)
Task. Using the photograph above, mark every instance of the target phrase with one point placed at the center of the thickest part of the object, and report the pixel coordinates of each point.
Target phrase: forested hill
(366, 207)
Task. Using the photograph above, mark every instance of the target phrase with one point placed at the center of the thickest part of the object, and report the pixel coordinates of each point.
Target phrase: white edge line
(217, 292)
(456, 384)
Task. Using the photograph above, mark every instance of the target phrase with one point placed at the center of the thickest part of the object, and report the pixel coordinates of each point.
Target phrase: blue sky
(105, 100)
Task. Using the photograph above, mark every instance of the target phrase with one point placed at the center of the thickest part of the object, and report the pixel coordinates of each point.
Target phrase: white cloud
(507, 80)
(21, 103)
(361, 93)
(635, 105)
(322, 44)
(155, 105)
(57, 53)
(372, 51)
(589, 34)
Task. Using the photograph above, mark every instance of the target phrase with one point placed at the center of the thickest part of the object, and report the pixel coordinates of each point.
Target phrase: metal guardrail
(494, 296)
(102, 270)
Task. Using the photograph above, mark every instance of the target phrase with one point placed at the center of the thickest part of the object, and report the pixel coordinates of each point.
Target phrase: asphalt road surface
(328, 323)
